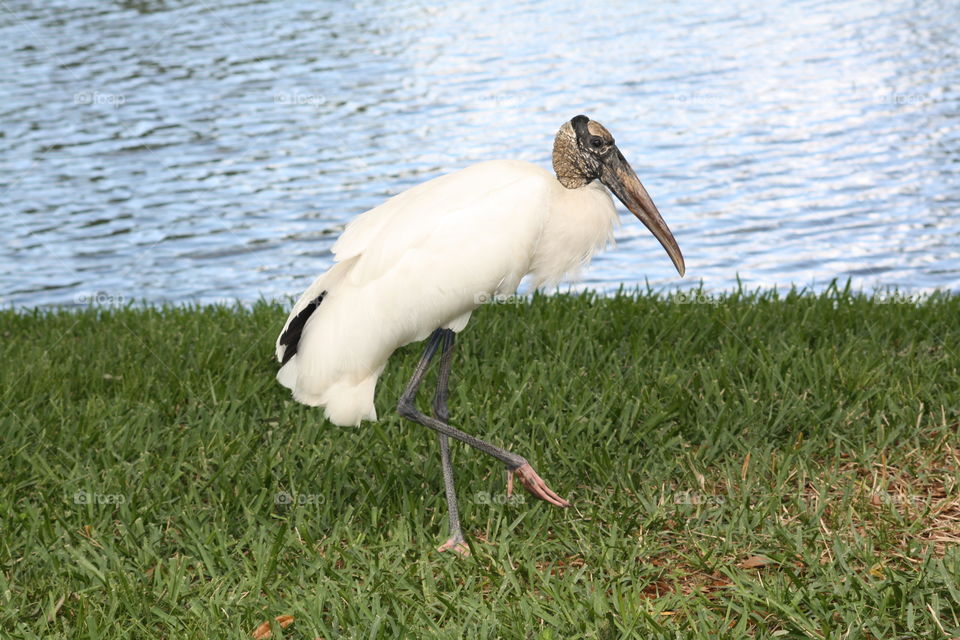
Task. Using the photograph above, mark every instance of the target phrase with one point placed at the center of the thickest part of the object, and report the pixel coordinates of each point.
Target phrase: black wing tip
(291, 336)
(288, 353)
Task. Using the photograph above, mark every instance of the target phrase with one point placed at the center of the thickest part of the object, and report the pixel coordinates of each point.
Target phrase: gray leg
(408, 409)
(442, 413)
(516, 464)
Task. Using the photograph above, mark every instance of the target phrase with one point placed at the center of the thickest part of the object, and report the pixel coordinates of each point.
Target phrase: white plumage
(417, 266)
(425, 259)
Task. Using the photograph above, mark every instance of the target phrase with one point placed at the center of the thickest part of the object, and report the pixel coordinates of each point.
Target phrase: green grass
(143, 452)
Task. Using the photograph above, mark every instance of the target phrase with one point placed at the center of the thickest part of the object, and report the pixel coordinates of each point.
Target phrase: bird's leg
(441, 412)
(516, 464)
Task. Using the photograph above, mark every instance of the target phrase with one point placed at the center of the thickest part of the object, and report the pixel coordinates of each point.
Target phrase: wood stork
(416, 266)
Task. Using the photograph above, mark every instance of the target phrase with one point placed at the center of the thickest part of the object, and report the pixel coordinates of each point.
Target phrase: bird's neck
(580, 223)
(566, 163)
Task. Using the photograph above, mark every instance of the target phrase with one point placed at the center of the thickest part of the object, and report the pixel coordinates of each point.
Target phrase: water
(172, 151)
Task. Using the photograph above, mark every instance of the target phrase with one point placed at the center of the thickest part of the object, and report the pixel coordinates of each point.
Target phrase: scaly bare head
(584, 151)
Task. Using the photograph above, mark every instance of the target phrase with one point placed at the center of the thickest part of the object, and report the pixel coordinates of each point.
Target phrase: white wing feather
(422, 260)
(503, 197)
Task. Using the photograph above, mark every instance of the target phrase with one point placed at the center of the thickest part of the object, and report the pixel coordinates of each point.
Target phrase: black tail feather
(291, 337)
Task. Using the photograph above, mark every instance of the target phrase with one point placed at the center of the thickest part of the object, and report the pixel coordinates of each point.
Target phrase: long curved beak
(621, 179)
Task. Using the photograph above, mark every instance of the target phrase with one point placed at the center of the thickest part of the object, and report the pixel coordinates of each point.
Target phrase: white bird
(416, 266)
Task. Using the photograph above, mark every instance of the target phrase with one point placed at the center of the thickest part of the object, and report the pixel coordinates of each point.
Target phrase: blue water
(170, 151)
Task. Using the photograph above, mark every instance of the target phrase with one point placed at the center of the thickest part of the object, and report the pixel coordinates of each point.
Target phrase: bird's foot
(534, 484)
(457, 545)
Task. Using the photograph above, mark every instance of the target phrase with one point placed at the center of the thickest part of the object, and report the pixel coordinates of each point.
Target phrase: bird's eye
(596, 142)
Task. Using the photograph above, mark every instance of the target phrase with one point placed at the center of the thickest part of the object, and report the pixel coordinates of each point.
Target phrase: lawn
(744, 466)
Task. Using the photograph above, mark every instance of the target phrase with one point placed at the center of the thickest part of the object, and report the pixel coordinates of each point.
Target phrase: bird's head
(584, 151)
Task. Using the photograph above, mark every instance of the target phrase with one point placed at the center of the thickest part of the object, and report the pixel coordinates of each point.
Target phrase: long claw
(535, 485)
(459, 547)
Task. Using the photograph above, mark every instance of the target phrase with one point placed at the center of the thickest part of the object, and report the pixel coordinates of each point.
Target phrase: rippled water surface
(201, 151)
